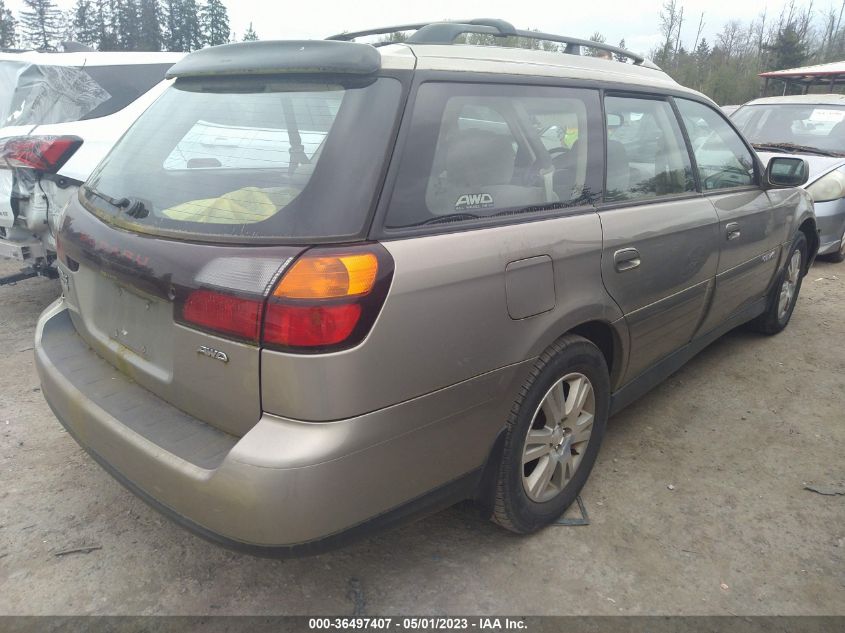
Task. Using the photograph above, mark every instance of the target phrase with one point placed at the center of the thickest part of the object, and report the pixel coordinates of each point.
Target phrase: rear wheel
(784, 294)
(553, 436)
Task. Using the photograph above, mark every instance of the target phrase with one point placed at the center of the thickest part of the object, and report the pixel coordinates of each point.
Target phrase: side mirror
(783, 171)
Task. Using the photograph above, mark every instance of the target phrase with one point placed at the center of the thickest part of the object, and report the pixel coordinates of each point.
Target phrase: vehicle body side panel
(830, 218)
(446, 320)
(664, 299)
(748, 262)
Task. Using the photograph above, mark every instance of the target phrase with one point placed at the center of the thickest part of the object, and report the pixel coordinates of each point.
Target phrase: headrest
(476, 157)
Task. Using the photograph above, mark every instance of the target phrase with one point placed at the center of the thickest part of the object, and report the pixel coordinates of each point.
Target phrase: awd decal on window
(474, 201)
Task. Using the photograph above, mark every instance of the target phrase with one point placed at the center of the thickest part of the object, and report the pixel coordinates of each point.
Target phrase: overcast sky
(634, 20)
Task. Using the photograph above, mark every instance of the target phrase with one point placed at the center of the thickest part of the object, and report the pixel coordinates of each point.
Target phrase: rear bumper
(286, 487)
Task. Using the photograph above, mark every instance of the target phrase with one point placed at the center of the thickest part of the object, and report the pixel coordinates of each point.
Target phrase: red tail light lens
(328, 299)
(224, 313)
(44, 153)
(310, 326)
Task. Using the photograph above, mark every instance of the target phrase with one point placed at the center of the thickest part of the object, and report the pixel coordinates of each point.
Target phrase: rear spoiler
(280, 57)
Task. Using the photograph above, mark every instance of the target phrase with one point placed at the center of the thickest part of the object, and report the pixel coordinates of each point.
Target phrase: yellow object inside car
(243, 206)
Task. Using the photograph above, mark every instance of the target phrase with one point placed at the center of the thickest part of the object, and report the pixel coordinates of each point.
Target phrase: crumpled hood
(819, 165)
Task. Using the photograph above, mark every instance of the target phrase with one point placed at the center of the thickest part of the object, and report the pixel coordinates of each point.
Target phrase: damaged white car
(60, 113)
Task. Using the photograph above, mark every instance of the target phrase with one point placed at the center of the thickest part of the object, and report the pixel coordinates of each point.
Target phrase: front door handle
(732, 231)
(626, 259)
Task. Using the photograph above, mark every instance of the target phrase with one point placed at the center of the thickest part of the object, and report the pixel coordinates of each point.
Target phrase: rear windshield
(32, 94)
(251, 158)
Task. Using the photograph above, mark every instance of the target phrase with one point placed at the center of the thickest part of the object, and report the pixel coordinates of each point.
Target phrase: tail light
(224, 313)
(327, 300)
(44, 153)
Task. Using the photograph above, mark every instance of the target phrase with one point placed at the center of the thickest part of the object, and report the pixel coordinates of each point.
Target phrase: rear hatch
(180, 235)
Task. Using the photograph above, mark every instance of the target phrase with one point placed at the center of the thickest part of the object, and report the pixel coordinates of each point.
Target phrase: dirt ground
(697, 505)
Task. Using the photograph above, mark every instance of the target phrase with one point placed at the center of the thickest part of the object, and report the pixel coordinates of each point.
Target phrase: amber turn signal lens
(320, 277)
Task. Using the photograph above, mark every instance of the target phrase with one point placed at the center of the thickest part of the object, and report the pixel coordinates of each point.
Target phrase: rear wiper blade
(134, 208)
(793, 148)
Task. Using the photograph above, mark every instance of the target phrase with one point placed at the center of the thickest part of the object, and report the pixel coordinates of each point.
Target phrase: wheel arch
(603, 326)
(609, 341)
(809, 229)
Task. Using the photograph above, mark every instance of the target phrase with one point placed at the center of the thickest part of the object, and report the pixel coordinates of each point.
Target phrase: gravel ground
(698, 506)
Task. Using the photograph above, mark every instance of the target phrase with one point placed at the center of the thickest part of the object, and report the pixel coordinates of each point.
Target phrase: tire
(559, 374)
(777, 316)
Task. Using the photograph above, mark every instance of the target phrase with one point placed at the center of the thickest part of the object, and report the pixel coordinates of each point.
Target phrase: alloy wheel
(558, 437)
(790, 284)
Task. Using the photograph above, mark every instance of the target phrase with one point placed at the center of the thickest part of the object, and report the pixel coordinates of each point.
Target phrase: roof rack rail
(447, 32)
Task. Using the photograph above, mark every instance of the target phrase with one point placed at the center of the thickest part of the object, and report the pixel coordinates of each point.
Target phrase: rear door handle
(732, 231)
(626, 259)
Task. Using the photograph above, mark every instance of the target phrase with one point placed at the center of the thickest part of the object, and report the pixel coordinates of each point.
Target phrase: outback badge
(216, 354)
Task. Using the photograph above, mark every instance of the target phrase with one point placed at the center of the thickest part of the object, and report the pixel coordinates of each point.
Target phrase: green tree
(84, 23)
(149, 26)
(701, 59)
(214, 23)
(597, 52)
(104, 11)
(40, 24)
(788, 49)
(8, 27)
(172, 36)
(621, 58)
(396, 36)
(192, 37)
(250, 35)
(127, 25)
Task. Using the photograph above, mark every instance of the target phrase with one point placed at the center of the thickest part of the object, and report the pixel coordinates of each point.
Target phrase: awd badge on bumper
(216, 354)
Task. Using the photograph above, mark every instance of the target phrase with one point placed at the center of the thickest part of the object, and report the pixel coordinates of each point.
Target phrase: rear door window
(478, 151)
(723, 159)
(646, 153)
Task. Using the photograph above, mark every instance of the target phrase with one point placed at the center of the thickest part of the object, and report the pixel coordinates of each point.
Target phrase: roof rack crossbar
(447, 32)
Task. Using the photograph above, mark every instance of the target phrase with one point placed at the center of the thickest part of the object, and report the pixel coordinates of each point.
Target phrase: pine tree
(172, 35)
(127, 25)
(40, 23)
(191, 30)
(214, 23)
(104, 24)
(250, 35)
(618, 57)
(149, 16)
(597, 52)
(85, 23)
(788, 49)
(8, 27)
